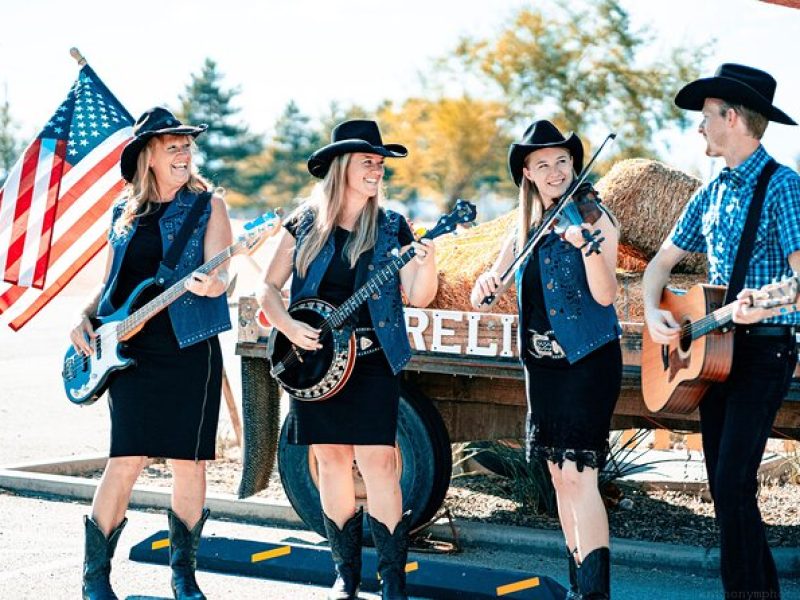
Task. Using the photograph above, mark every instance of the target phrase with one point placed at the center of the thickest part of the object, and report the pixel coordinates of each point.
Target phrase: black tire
(417, 478)
(261, 407)
(442, 450)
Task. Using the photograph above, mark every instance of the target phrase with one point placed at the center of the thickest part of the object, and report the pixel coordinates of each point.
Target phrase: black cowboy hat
(352, 136)
(156, 121)
(542, 134)
(736, 84)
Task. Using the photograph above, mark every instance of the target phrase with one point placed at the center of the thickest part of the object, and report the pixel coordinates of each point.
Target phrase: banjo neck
(340, 316)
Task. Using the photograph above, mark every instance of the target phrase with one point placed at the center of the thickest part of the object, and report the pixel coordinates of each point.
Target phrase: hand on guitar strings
(662, 326)
(212, 284)
(81, 334)
(303, 335)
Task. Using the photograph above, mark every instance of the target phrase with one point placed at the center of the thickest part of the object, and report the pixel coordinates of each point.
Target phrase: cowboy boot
(594, 580)
(346, 553)
(392, 551)
(573, 593)
(183, 544)
(98, 553)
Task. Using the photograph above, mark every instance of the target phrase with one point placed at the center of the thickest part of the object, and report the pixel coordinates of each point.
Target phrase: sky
(318, 51)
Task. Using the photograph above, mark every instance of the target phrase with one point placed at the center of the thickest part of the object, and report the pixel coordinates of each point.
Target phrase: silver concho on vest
(313, 375)
(544, 345)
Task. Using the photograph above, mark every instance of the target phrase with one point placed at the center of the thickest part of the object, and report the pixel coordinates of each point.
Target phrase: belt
(768, 330)
(366, 341)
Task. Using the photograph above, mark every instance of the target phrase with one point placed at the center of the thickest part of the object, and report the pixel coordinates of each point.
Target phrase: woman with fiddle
(568, 339)
(330, 246)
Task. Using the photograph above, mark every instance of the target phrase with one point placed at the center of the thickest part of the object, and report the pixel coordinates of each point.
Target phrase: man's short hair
(755, 122)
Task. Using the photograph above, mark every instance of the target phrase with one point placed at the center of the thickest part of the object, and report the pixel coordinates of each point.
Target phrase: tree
(226, 142)
(583, 69)
(11, 146)
(456, 146)
(285, 176)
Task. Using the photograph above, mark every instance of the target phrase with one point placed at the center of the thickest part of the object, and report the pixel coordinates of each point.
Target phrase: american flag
(54, 206)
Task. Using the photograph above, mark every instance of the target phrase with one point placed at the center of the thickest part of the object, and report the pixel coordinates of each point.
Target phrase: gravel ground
(650, 515)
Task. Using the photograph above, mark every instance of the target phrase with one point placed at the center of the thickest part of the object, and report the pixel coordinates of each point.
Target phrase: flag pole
(76, 54)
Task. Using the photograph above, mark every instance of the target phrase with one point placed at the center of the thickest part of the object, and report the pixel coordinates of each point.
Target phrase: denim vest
(385, 308)
(194, 318)
(580, 324)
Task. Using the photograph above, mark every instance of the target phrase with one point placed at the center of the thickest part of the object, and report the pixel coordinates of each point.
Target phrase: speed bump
(427, 575)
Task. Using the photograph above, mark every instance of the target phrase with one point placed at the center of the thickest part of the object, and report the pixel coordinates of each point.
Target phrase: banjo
(319, 374)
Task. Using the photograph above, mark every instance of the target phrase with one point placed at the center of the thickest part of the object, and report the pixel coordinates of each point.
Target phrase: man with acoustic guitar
(747, 221)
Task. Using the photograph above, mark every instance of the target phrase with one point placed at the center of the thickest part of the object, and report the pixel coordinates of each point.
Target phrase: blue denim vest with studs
(385, 308)
(194, 318)
(579, 322)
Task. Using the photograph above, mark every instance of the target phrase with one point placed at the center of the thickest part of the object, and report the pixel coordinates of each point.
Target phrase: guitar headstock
(258, 230)
(777, 294)
(463, 212)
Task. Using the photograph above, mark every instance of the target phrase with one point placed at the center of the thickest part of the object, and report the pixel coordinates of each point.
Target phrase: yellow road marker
(410, 567)
(159, 544)
(517, 586)
(268, 554)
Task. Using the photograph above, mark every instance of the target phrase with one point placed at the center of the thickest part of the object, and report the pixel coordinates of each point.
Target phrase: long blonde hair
(140, 195)
(327, 203)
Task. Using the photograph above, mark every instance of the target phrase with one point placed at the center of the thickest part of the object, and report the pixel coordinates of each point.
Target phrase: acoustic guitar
(87, 377)
(675, 377)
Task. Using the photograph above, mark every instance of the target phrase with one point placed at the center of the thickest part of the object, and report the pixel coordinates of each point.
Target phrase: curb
(46, 479)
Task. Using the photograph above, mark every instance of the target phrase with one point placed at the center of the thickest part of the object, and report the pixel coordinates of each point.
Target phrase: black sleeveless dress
(364, 411)
(167, 404)
(569, 405)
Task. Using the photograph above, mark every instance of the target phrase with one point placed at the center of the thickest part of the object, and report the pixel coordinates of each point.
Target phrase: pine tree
(227, 141)
(286, 176)
(10, 145)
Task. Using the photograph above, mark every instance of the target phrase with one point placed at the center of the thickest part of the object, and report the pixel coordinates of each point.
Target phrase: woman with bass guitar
(167, 405)
(335, 241)
(568, 336)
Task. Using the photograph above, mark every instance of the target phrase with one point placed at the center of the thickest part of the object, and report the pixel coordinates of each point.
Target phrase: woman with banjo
(568, 334)
(330, 246)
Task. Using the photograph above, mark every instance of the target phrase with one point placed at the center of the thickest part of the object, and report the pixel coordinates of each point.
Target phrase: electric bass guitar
(87, 377)
(319, 374)
(675, 377)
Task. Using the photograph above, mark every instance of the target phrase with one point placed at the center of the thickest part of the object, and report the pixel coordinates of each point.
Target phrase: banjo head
(312, 375)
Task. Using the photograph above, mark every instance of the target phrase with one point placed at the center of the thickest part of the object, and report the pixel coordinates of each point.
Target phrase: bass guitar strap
(745, 249)
(167, 266)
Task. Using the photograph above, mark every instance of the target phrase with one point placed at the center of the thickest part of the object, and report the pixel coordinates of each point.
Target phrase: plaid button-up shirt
(714, 218)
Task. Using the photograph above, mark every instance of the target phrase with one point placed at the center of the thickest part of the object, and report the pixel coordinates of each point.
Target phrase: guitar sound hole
(685, 343)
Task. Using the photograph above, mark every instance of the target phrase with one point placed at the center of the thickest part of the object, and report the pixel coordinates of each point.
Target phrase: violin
(583, 207)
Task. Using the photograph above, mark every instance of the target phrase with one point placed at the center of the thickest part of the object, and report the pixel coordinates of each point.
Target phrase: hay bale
(647, 197)
(463, 257)
(630, 303)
